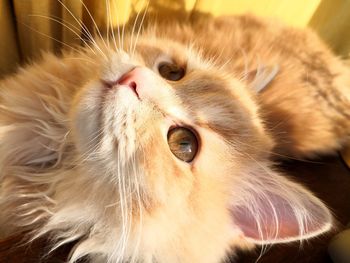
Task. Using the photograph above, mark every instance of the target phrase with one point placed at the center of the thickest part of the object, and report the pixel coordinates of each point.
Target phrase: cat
(159, 148)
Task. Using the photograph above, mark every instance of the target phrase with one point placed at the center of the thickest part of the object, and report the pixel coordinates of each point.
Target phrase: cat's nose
(136, 79)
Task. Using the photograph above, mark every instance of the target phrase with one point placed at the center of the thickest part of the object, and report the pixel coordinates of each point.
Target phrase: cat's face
(181, 143)
(166, 113)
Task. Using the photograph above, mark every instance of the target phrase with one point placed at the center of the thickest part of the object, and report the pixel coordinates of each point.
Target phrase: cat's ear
(261, 77)
(273, 209)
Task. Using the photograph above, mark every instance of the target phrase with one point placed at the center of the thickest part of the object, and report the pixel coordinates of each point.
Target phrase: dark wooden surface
(328, 178)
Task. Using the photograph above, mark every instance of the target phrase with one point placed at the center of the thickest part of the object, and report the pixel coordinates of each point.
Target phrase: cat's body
(84, 152)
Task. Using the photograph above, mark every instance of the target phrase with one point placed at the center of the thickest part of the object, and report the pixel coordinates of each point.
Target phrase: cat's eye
(171, 71)
(183, 143)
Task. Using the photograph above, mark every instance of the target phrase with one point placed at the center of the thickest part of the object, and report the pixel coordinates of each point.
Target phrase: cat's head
(171, 162)
(182, 143)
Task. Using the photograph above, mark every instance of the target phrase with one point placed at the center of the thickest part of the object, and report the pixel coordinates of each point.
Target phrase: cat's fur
(307, 103)
(81, 161)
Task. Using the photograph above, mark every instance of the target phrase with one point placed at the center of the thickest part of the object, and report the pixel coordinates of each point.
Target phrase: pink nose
(136, 79)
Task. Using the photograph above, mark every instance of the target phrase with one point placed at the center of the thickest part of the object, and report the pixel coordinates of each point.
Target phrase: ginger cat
(159, 148)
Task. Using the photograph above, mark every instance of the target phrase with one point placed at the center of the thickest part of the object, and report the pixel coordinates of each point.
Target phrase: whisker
(133, 27)
(61, 22)
(108, 21)
(139, 204)
(118, 25)
(122, 195)
(82, 26)
(46, 35)
(139, 29)
(66, 26)
(83, 59)
(274, 153)
(91, 148)
(94, 22)
(130, 208)
(108, 3)
(80, 23)
(123, 29)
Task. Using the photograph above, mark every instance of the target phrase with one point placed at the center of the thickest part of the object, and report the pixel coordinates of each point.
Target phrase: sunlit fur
(310, 78)
(82, 162)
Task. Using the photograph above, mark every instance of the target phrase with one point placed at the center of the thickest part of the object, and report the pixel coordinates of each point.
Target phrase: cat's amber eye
(183, 143)
(171, 71)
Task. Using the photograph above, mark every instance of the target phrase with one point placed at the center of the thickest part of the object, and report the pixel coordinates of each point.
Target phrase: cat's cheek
(213, 156)
(167, 182)
(85, 115)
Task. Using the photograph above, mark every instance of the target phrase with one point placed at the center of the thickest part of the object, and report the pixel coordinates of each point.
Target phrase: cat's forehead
(153, 50)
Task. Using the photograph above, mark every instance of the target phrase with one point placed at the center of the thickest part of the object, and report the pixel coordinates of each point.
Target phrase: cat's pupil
(183, 143)
(171, 71)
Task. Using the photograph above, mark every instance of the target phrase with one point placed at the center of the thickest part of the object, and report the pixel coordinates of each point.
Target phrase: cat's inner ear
(273, 209)
(260, 77)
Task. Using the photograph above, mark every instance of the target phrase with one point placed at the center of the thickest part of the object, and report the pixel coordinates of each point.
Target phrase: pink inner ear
(272, 219)
(280, 211)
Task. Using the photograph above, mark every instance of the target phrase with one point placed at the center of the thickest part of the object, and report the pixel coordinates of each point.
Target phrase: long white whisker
(80, 23)
(94, 22)
(43, 34)
(118, 26)
(108, 21)
(130, 208)
(66, 26)
(133, 27)
(273, 153)
(123, 207)
(139, 29)
(111, 24)
(138, 195)
(123, 30)
(83, 59)
(83, 27)
(91, 148)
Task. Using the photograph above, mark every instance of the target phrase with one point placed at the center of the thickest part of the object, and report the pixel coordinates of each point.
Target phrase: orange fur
(306, 106)
(83, 162)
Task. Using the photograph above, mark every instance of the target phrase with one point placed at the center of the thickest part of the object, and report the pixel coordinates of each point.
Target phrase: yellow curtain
(9, 53)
